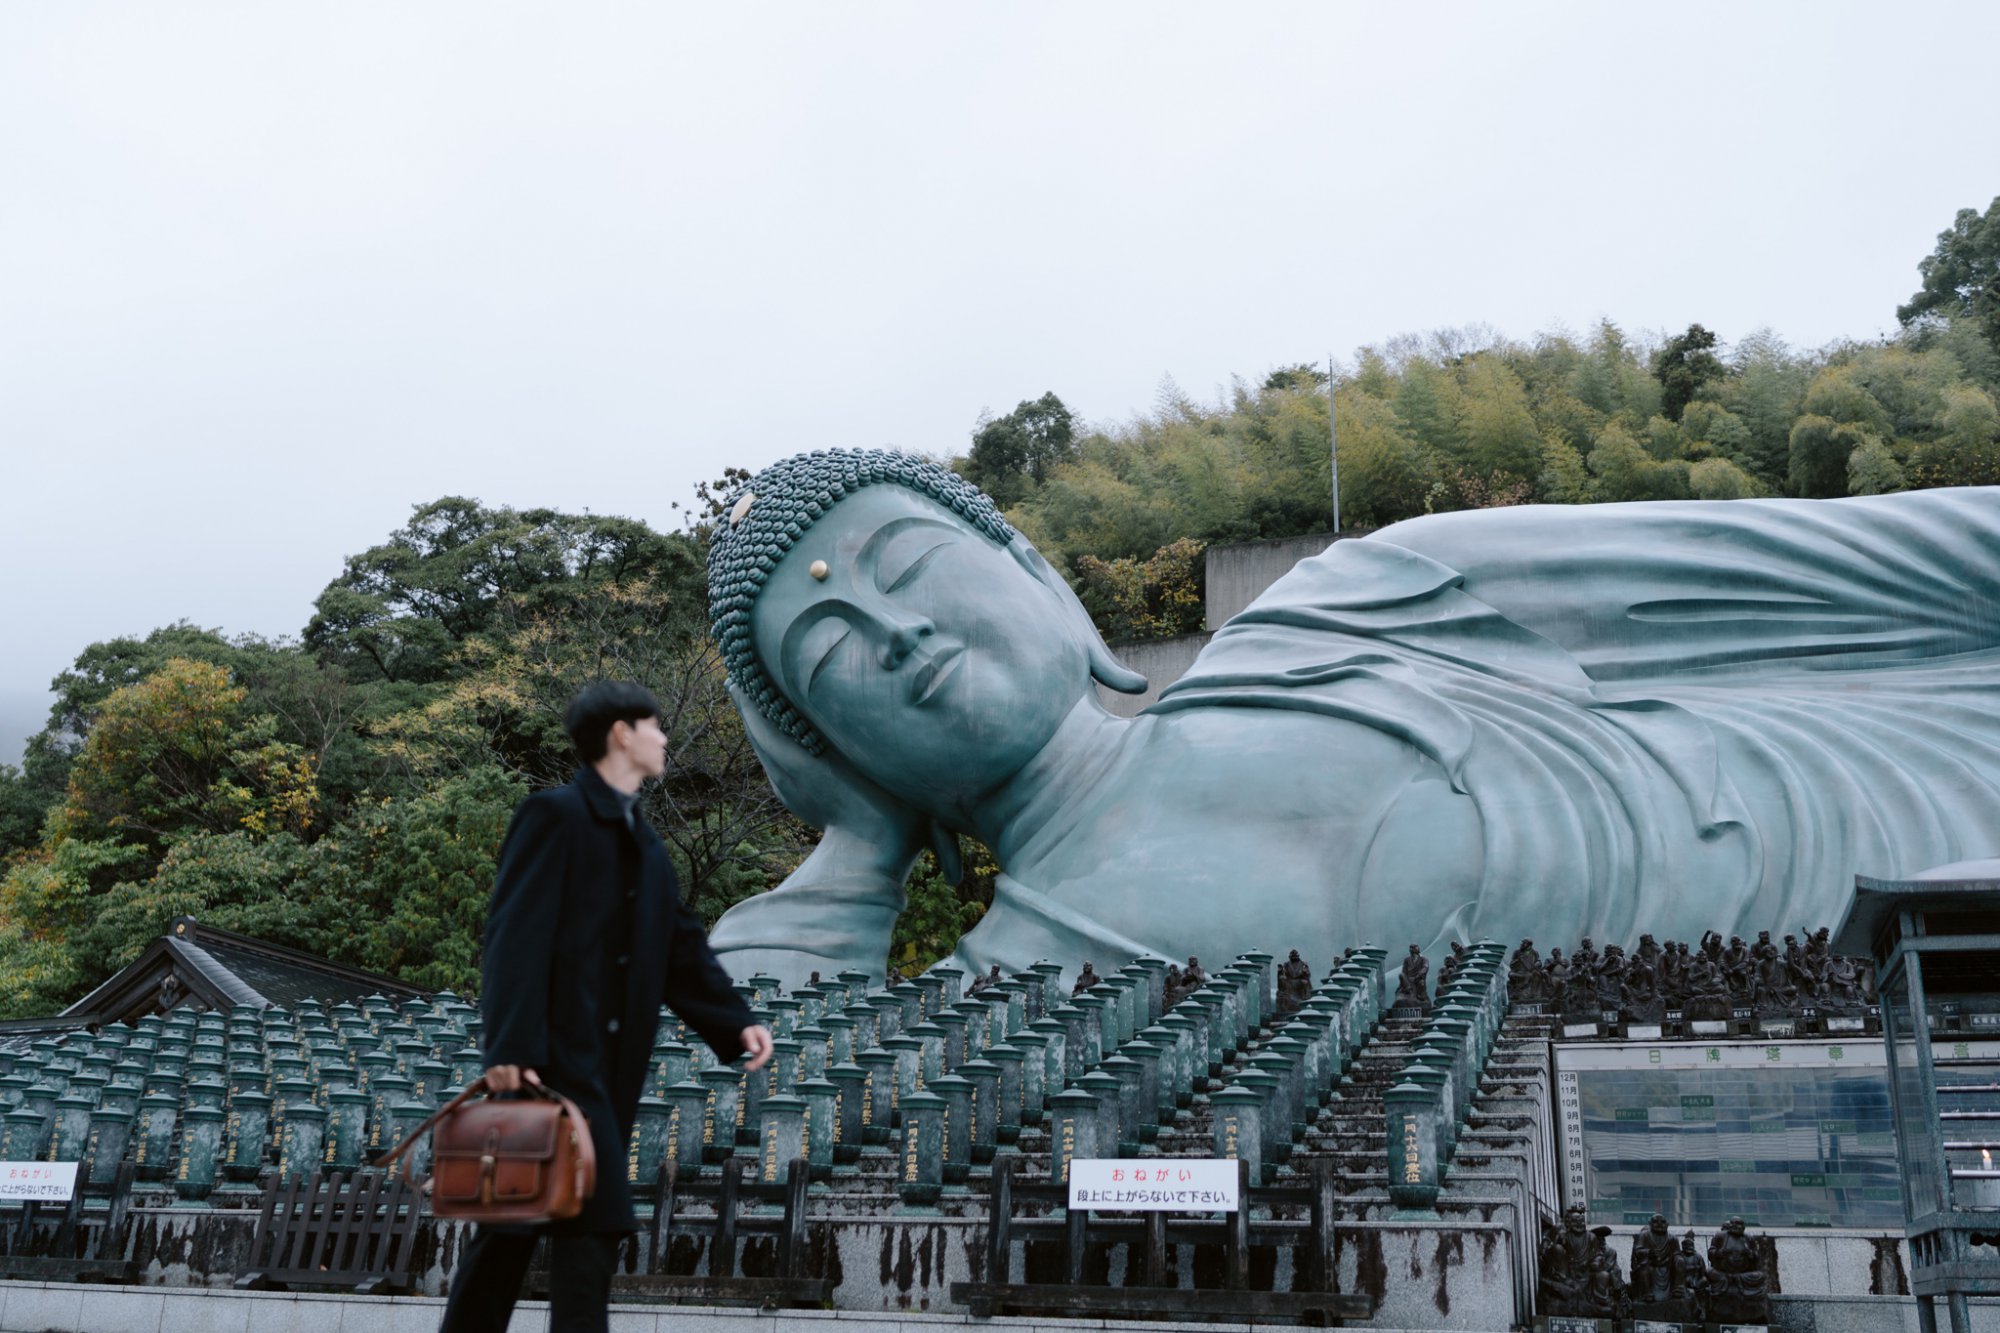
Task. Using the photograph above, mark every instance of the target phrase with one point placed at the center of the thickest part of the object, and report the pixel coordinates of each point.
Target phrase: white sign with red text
(1160, 1184)
(43, 1182)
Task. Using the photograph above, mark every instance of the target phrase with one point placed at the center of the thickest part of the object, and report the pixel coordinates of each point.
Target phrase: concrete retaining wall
(1238, 574)
(1160, 661)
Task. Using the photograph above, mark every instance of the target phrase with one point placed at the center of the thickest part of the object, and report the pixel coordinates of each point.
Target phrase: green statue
(1499, 723)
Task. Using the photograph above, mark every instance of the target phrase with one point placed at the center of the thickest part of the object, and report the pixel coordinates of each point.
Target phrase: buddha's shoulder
(1279, 743)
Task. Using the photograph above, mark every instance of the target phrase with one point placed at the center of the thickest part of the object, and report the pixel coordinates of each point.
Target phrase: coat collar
(598, 795)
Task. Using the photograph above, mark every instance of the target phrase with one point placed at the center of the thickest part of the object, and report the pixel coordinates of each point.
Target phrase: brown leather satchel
(519, 1160)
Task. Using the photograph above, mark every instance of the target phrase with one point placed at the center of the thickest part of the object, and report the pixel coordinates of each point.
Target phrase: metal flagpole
(1333, 443)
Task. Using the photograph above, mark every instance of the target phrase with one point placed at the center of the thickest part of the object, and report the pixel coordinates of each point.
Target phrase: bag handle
(476, 1087)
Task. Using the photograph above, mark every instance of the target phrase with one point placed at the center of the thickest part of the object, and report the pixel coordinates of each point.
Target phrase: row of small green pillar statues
(205, 1098)
(1431, 1100)
(941, 1078)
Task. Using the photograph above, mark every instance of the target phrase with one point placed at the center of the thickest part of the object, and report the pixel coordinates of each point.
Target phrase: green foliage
(401, 609)
(1720, 479)
(235, 880)
(406, 880)
(1157, 598)
(937, 913)
(1683, 365)
(1013, 454)
(46, 895)
(21, 811)
(1966, 448)
(1872, 469)
(1962, 275)
(179, 752)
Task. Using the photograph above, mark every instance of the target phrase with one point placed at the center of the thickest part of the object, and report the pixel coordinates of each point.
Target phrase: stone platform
(31, 1307)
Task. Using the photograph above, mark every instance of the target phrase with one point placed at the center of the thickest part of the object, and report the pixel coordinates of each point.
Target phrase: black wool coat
(586, 938)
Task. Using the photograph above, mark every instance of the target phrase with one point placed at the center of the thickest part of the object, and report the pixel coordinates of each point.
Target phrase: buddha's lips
(933, 674)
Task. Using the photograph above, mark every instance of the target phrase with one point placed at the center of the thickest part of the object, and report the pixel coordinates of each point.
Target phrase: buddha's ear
(1105, 669)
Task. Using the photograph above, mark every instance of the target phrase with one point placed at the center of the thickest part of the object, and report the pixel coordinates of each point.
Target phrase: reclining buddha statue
(1499, 723)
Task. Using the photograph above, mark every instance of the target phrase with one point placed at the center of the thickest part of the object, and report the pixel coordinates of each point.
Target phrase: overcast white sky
(272, 274)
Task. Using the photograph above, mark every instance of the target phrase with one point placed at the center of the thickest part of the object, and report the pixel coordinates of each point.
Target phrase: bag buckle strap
(488, 1162)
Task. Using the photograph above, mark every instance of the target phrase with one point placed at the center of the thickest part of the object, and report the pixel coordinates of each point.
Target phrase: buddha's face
(921, 649)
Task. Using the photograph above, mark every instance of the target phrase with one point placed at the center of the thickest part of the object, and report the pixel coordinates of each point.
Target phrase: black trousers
(488, 1281)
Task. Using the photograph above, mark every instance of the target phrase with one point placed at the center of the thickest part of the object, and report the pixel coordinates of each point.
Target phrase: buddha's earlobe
(1105, 669)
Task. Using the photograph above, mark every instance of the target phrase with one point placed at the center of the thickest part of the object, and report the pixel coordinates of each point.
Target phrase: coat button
(612, 1026)
(624, 958)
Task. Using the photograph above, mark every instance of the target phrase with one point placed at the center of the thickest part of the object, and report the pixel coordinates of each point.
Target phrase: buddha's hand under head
(828, 792)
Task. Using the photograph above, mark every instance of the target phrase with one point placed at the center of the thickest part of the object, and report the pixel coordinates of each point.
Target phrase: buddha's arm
(836, 911)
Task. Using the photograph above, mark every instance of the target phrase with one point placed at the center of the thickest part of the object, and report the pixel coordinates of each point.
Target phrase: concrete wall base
(34, 1307)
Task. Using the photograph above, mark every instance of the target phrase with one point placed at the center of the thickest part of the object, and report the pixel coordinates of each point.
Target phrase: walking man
(585, 939)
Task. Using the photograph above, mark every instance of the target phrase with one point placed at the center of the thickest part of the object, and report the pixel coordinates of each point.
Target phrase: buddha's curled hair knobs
(767, 516)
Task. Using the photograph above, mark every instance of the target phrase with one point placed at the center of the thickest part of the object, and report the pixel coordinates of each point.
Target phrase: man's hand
(509, 1078)
(756, 1041)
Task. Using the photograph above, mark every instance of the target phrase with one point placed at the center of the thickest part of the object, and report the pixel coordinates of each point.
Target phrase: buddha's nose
(904, 636)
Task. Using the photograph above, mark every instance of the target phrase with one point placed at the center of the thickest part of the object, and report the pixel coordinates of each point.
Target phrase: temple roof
(218, 969)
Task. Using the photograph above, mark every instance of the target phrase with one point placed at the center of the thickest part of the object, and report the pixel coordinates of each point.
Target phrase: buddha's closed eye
(823, 644)
(902, 549)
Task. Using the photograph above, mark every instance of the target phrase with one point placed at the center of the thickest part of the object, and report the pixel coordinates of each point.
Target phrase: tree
(401, 609)
(1158, 598)
(1012, 453)
(22, 809)
(1384, 474)
(1820, 450)
(1966, 449)
(178, 752)
(504, 711)
(1683, 365)
(1962, 275)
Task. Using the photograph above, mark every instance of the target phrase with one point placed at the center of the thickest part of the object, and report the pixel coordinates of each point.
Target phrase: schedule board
(1781, 1134)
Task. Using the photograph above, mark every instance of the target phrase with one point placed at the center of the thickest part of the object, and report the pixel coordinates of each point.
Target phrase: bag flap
(499, 1129)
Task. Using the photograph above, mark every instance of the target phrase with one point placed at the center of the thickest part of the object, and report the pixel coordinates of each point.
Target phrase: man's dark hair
(589, 716)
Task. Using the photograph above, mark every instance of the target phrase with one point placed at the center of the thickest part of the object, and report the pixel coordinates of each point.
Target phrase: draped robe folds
(1670, 716)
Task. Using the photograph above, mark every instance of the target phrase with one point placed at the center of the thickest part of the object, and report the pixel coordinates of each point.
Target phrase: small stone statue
(1412, 986)
(1192, 977)
(987, 982)
(1691, 1277)
(1555, 978)
(1843, 984)
(1736, 1287)
(1607, 1296)
(1569, 1262)
(1295, 983)
(1176, 989)
(1673, 973)
(1707, 990)
(1611, 978)
(1450, 963)
(1641, 1000)
(1739, 971)
(1524, 975)
(1584, 960)
(1653, 1253)
(1649, 951)
(1085, 979)
(1774, 991)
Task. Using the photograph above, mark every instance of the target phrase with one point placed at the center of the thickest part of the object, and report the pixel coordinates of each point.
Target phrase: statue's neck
(1026, 814)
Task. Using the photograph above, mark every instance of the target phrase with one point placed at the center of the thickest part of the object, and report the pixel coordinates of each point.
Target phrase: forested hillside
(346, 791)
(1467, 418)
